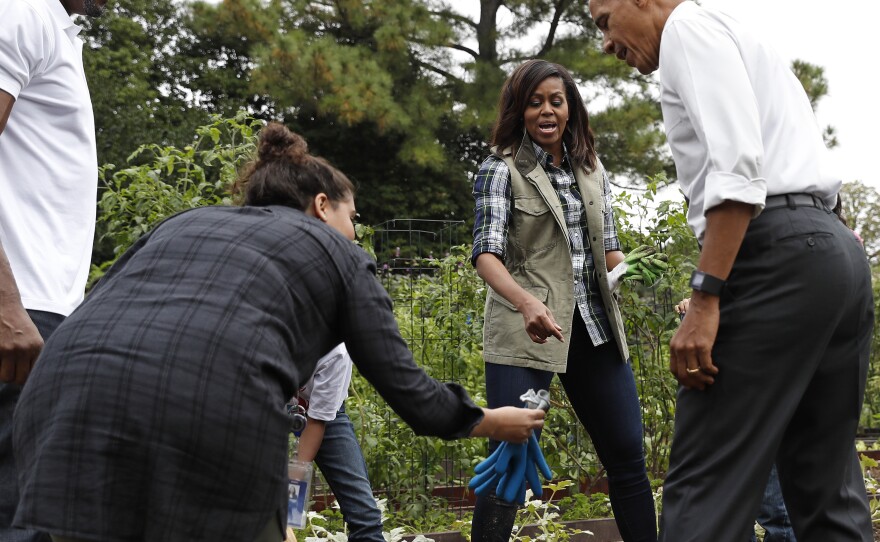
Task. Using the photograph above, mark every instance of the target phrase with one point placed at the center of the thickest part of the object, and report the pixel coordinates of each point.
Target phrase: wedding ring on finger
(693, 371)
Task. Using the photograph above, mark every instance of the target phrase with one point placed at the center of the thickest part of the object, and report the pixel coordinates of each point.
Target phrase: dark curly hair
(284, 173)
(509, 126)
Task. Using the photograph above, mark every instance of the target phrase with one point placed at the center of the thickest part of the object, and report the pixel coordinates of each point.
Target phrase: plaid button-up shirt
(492, 194)
(162, 396)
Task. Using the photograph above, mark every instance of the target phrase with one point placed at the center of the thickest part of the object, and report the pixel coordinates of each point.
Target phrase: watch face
(703, 282)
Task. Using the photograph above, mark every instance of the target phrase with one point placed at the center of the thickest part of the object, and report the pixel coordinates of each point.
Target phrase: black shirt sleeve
(381, 355)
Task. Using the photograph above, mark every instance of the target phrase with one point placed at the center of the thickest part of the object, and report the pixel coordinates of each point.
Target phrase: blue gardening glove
(489, 471)
(515, 475)
(523, 472)
(536, 463)
(513, 467)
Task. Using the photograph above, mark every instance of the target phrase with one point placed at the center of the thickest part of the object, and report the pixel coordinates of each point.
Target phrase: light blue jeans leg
(772, 515)
(342, 464)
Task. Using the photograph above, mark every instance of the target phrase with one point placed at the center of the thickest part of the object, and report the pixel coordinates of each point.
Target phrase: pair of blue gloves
(512, 466)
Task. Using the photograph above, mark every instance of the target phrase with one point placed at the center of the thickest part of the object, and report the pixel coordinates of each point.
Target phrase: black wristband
(706, 283)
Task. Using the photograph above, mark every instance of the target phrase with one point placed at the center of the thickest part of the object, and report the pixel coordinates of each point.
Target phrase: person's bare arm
(6, 102)
(310, 440)
(612, 258)
(691, 347)
(539, 321)
(20, 342)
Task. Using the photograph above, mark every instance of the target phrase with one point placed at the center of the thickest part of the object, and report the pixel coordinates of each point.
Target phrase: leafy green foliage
(861, 210)
(650, 322)
(439, 313)
(438, 303)
(812, 77)
(871, 473)
(390, 91)
(545, 516)
(163, 180)
(135, 78)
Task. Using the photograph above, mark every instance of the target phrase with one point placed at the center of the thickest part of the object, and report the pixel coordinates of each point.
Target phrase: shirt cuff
(484, 248)
(321, 415)
(612, 244)
(10, 86)
(723, 186)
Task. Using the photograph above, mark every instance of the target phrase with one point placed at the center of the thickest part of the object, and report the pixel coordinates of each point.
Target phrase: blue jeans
(342, 464)
(46, 323)
(602, 391)
(772, 515)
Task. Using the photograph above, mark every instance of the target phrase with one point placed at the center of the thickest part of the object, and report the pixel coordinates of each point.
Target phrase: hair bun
(277, 142)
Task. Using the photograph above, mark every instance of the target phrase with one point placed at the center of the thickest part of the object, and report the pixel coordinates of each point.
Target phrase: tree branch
(455, 17)
(551, 34)
(440, 71)
(467, 50)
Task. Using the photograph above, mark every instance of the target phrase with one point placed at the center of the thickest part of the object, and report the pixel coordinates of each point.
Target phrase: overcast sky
(842, 37)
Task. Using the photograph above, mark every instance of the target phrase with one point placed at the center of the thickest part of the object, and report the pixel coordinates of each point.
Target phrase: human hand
(682, 307)
(690, 350)
(644, 264)
(20, 342)
(539, 321)
(511, 424)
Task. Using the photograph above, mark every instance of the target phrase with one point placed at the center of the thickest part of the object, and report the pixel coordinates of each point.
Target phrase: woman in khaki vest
(544, 240)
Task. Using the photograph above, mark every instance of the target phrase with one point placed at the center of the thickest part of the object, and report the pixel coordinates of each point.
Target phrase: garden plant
(438, 302)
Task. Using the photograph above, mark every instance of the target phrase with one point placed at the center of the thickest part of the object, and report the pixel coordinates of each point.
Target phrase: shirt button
(591, 203)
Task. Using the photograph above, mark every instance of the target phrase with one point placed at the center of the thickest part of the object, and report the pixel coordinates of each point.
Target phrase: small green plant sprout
(316, 532)
(544, 515)
(869, 469)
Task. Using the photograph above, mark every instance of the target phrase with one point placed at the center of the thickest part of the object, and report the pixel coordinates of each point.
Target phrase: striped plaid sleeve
(492, 197)
(611, 240)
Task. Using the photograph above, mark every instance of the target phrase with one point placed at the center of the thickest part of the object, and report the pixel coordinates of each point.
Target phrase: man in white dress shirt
(774, 352)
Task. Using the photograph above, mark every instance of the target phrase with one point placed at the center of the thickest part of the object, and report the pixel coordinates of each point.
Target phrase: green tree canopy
(812, 77)
(402, 93)
(861, 210)
(132, 65)
(399, 94)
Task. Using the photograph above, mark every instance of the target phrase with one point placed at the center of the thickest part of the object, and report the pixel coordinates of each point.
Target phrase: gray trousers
(793, 347)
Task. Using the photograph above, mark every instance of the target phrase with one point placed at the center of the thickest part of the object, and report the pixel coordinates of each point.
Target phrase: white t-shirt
(328, 387)
(738, 121)
(48, 159)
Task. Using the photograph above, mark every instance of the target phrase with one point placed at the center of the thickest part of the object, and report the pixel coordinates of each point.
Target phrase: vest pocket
(539, 292)
(533, 226)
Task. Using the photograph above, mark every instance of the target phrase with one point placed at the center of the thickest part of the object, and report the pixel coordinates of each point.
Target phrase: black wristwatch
(706, 283)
